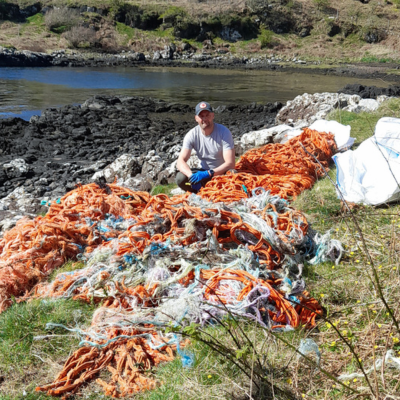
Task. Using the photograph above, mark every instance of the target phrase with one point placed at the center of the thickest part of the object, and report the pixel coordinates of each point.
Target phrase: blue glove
(196, 186)
(199, 176)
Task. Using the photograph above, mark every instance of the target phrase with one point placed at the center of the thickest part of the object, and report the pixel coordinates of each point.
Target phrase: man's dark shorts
(183, 181)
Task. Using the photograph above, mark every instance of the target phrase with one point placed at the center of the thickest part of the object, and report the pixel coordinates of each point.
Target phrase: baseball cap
(203, 105)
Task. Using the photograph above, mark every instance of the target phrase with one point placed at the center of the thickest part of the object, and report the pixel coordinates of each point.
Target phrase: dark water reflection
(26, 91)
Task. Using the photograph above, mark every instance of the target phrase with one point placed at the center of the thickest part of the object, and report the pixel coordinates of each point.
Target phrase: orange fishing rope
(32, 249)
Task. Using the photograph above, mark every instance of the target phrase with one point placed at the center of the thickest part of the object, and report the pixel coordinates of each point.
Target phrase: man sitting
(214, 146)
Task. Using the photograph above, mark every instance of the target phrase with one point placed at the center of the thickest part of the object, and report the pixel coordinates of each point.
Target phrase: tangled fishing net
(153, 260)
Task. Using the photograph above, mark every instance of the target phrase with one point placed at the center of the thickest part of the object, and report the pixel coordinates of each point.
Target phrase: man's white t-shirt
(210, 148)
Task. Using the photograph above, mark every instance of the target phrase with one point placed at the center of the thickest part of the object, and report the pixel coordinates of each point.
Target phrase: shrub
(80, 36)
(61, 19)
(115, 7)
(266, 38)
(173, 14)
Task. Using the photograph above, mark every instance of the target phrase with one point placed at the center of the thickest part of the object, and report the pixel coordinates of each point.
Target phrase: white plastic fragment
(390, 361)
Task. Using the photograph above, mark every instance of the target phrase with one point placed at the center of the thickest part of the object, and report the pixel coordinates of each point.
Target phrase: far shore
(388, 72)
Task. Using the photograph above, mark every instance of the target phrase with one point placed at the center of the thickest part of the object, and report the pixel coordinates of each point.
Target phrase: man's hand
(196, 186)
(199, 176)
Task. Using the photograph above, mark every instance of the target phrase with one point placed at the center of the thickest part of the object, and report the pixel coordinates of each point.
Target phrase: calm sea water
(27, 91)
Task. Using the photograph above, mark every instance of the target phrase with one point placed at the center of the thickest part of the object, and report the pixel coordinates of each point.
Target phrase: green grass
(25, 362)
(363, 124)
(375, 59)
(34, 25)
(346, 290)
(163, 33)
(212, 376)
(37, 19)
(126, 30)
(67, 267)
(28, 396)
(21, 322)
(320, 202)
(166, 189)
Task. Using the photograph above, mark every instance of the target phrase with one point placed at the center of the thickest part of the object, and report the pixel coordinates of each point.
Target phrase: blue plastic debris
(188, 359)
(129, 259)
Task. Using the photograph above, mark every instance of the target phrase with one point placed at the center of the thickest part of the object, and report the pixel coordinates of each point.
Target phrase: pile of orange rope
(284, 169)
(34, 248)
(31, 250)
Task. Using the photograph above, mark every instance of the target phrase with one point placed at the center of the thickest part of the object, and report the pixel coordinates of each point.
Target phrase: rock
(123, 168)
(364, 105)
(230, 34)
(306, 31)
(24, 58)
(152, 166)
(138, 184)
(194, 161)
(8, 223)
(164, 178)
(95, 103)
(175, 150)
(382, 98)
(222, 50)
(16, 168)
(307, 108)
(287, 134)
(137, 56)
(21, 201)
(167, 53)
(171, 170)
(186, 46)
(370, 92)
(177, 191)
(262, 137)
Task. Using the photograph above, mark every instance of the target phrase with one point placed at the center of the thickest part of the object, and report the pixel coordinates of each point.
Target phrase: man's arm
(229, 162)
(182, 162)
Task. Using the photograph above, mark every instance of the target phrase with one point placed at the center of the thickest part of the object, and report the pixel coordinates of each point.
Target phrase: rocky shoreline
(44, 158)
(136, 140)
(173, 57)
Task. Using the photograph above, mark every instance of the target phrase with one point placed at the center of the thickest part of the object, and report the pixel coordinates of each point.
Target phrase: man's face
(205, 119)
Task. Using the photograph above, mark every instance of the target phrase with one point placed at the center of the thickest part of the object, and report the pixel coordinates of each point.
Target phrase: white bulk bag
(371, 173)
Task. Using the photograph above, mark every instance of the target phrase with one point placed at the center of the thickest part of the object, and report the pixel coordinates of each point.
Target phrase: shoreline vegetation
(322, 36)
